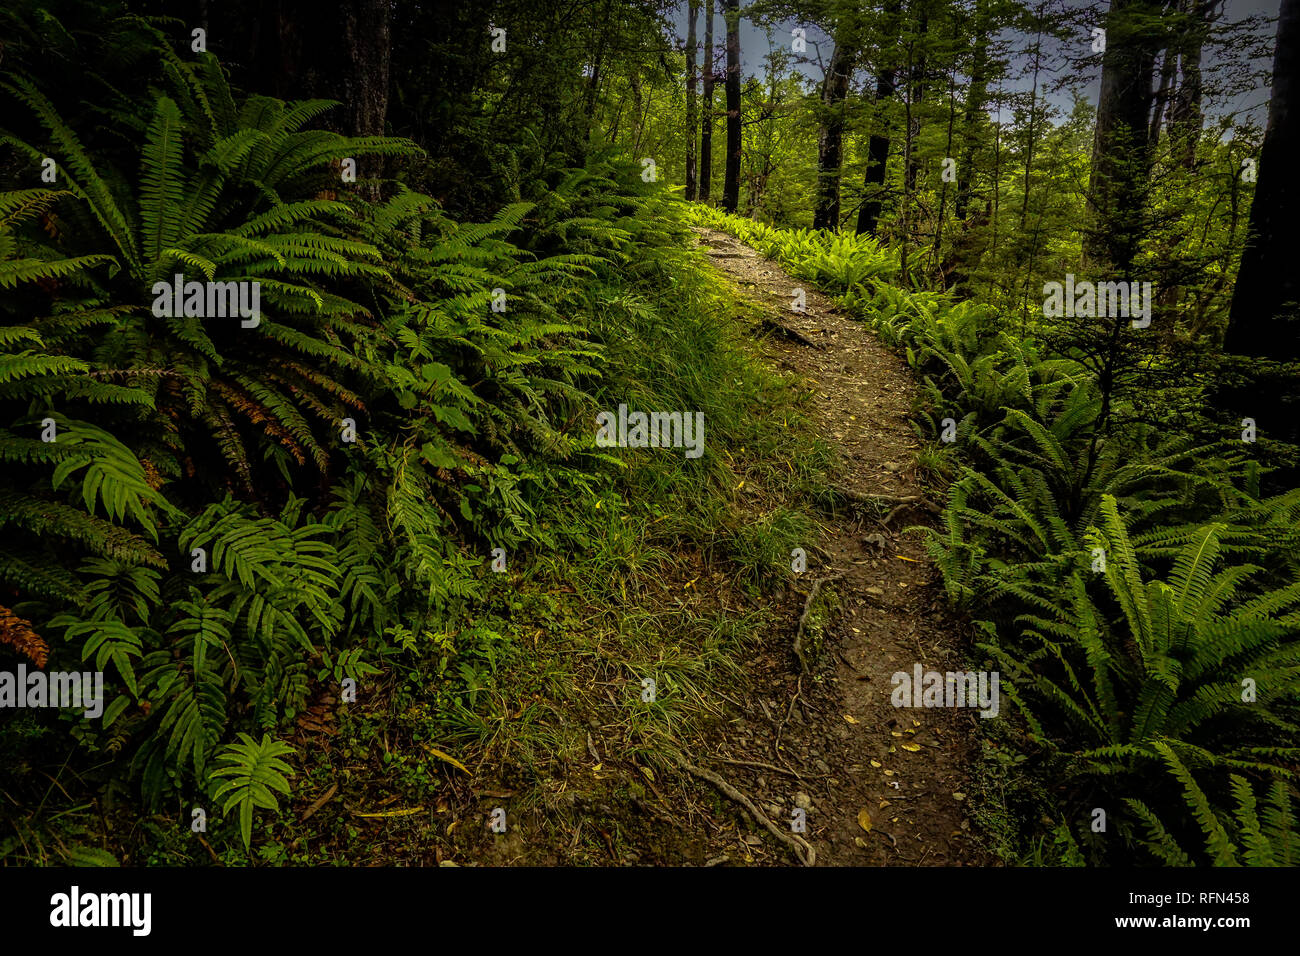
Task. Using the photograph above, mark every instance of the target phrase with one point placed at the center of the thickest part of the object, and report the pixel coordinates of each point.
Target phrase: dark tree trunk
(916, 80)
(365, 89)
(706, 113)
(877, 159)
(878, 144)
(830, 141)
(1121, 158)
(1167, 70)
(1185, 115)
(337, 49)
(976, 96)
(693, 14)
(731, 184)
(1263, 319)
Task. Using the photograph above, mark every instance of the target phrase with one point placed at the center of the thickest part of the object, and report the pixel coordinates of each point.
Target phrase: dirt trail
(852, 749)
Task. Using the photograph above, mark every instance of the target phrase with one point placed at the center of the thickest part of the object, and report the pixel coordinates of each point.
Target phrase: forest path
(907, 768)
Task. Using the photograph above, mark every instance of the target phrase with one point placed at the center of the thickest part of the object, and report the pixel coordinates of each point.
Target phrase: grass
(663, 571)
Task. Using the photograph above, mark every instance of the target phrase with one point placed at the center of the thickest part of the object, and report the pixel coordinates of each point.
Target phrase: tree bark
(1120, 155)
(731, 184)
(1185, 116)
(1263, 319)
(878, 144)
(830, 139)
(976, 96)
(706, 112)
(693, 14)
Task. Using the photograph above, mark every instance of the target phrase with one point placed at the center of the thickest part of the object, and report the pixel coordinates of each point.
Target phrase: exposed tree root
(803, 852)
(803, 619)
(772, 325)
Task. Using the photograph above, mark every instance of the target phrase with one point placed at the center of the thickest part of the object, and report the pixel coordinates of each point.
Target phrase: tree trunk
(365, 90)
(706, 112)
(873, 183)
(731, 184)
(1185, 115)
(693, 14)
(877, 158)
(917, 68)
(1120, 154)
(830, 140)
(1033, 121)
(1167, 70)
(1263, 317)
(976, 95)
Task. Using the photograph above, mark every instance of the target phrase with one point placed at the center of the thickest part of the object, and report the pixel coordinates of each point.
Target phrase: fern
(253, 773)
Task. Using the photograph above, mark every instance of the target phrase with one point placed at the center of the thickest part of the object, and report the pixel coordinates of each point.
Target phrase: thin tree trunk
(1033, 117)
(693, 14)
(916, 76)
(731, 184)
(593, 81)
(976, 94)
(947, 152)
(1167, 70)
(706, 112)
(1185, 116)
(908, 169)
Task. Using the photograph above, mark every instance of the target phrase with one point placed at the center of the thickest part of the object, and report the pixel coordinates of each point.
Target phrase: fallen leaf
(850, 718)
(912, 747)
(876, 763)
(864, 819)
(391, 813)
(434, 751)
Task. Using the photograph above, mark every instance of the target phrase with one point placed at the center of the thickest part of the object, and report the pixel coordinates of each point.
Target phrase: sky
(1247, 103)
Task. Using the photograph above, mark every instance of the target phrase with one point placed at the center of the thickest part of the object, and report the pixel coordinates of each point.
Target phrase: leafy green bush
(199, 527)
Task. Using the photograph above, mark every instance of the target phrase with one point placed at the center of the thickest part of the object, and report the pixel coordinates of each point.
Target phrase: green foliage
(198, 528)
(255, 773)
(1138, 596)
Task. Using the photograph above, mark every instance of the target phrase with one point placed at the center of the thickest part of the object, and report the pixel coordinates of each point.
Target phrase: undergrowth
(1127, 575)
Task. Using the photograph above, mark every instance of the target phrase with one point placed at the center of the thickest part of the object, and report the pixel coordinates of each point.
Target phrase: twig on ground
(310, 811)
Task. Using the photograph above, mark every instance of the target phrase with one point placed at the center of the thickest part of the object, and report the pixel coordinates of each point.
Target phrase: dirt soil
(845, 751)
(881, 786)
